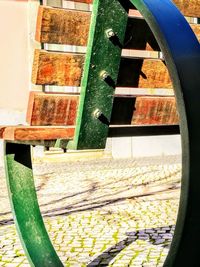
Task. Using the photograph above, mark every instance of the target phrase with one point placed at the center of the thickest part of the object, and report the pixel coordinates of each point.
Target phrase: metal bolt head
(97, 113)
(110, 33)
(104, 75)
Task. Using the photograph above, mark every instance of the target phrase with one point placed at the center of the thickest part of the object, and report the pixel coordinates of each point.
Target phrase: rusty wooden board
(52, 68)
(143, 73)
(63, 26)
(52, 109)
(60, 26)
(188, 7)
(155, 110)
(196, 29)
(2, 128)
(28, 133)
(144, 111)
(126, 110)
(57, 68)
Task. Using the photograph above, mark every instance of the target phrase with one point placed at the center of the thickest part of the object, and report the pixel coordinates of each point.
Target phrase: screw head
(104, 75)
(97, 113)
(110, 33)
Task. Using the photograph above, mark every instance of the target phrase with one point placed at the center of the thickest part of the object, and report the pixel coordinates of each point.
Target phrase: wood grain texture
(155, 111)
(2, 129)
(57, 68)
(28, 133)
(189, 8)
(196, 29)
(145, 73)
(51, 109)
(143, 110)
(65, 69)
(126, 110)
(62, 26)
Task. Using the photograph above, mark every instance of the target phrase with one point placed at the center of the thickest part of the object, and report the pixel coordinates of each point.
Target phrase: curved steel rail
(181, 50)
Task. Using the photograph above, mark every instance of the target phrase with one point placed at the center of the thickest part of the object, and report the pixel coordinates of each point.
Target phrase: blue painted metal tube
(181, 51)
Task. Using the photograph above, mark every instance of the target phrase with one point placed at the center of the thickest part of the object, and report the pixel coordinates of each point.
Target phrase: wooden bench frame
(182, 54)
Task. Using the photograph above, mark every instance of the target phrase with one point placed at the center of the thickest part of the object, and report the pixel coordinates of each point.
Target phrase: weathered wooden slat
(2, 128)
(52, 68)
(57, 68)
(60, 26)
(51, 109)
(143, 73)
(126, 110)
(196, 29)
(188, 7)
(155, 110)
(145, 111)
(84, 1)
(64, 26)
(28, 133)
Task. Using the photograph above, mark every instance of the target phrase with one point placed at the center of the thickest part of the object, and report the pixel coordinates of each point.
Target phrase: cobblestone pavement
(101, 212)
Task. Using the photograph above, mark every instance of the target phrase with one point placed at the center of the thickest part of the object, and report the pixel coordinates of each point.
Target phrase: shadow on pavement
(157, 236)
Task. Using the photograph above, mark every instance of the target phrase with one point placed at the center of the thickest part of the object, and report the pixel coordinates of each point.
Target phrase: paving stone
(100, 212)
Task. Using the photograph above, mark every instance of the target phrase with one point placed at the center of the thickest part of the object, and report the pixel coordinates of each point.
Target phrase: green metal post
(107, 31)
(24, 204)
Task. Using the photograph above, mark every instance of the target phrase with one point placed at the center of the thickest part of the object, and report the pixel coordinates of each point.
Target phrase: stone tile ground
(101, 212)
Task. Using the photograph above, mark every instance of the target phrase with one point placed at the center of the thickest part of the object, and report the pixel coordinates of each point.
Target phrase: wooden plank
(64, 26)
(65, 69)
(51, 109)
(57, 68)
(187, 7)
(2, 128)
(196, 29)
(143, 73)
(28, 133)
(155, 110)
(60, 26)
(114, 131)
(126, 110)
(84, 1)
(145, 111)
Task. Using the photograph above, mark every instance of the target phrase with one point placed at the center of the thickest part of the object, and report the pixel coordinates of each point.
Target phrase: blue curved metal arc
(182, 55)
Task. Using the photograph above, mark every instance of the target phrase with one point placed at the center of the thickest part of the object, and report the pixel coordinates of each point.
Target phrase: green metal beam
(24, 204)
(107, 30)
